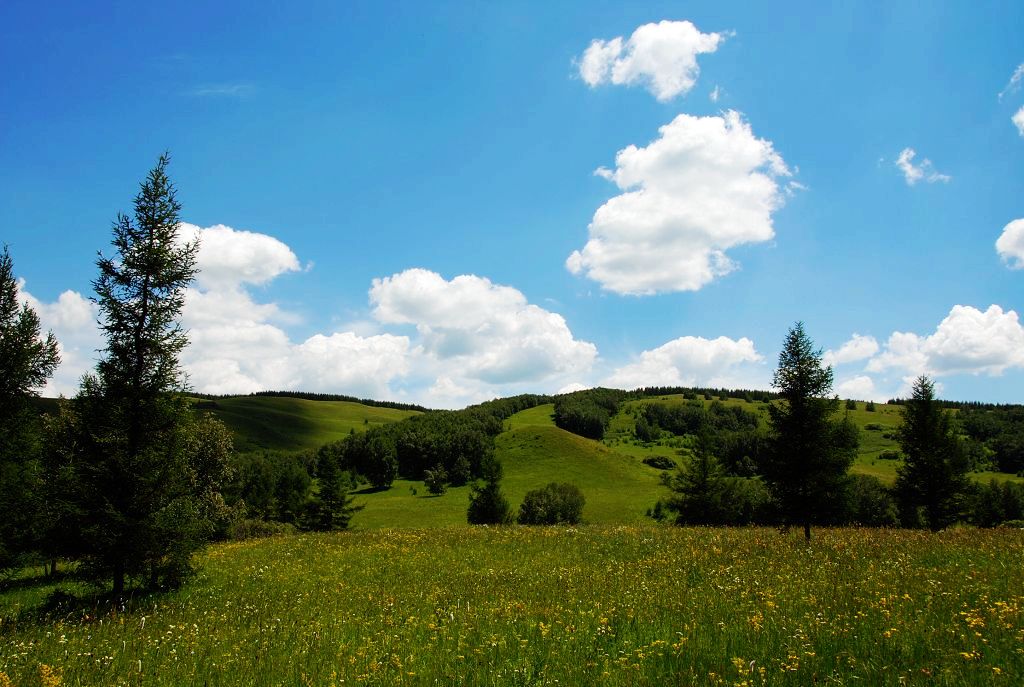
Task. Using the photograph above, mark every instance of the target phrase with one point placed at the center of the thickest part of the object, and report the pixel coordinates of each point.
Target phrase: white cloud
(1018, 121)
(694, 361)
(232, 257)
(967, 341)
(72, 319)
(857, 348)
(662, 57)
(1010, 244)
(706, 185)
(1015, 81)
(479, 330)
(861, 388)
(925, 170)
(715, 94)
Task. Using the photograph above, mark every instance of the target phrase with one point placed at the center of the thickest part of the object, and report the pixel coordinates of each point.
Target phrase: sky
(444, 203)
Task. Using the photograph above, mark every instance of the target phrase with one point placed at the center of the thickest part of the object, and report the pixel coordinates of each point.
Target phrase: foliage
(933, 477)
(148, 473)
(869, 503)
(487, 505)
(330, 507)
(660, 462)
(436, 480)
(806, 467)
(26, 361)
(587, 413)
(554, 504)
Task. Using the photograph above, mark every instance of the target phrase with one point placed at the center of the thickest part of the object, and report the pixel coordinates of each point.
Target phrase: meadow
(606, 605)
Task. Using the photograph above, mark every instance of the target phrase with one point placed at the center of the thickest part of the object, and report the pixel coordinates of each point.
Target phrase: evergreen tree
(331, 507)
(149, 474)
(487, 505)
(933, 476)
(26, 361)
(699, 487)
(806, 466)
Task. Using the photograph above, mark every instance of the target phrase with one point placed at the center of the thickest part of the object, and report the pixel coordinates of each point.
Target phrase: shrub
(851, 404)
(873, 427)
(554, 504)
(436, 480)
(660, 462)
(889, 454)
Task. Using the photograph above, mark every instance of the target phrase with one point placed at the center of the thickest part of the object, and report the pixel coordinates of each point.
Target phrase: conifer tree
(26, 361)
(933, 475)
(487, 505)
(806, 466)
(148, 471)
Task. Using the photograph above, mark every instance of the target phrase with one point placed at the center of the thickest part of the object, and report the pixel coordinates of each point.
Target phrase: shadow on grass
(85, 601)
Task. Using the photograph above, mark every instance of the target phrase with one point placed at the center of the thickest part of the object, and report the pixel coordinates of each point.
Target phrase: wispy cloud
(1015, 81)
(915, 173)
(224, 90)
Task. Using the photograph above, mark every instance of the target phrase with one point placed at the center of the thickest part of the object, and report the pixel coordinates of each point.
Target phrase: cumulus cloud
(967, 341)
(1010, 244)
(915, 173)
(1018, 121)
(662, 57)
(480, 330)
(706, 185)
(229, 258)
(857, 348)
(694, 361)
(72, 319)
(861, 388)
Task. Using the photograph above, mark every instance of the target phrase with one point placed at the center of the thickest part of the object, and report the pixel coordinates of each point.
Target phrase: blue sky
(447, 202)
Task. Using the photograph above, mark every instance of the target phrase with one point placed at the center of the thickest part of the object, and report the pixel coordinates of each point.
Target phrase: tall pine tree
(807, 463)
(149, 472)
(933, 475)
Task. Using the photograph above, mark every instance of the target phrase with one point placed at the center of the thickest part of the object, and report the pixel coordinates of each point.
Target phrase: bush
(851, 404)
(436, 480)
(889, 454)
(873, 427)
(554, 504)
(660, 462)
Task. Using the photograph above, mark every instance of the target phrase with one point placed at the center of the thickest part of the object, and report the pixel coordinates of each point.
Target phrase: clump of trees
(27, 359)
(587, 413)
(554, 504)
(125, 478)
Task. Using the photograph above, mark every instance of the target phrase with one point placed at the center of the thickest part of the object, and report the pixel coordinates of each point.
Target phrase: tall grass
(643, 605)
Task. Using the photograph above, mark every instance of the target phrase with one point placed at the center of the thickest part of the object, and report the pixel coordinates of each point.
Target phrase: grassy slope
(263, 422)
(618, 488)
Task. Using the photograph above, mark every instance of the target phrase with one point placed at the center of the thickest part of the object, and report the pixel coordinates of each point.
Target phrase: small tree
(806, 466)
(436, 480)
(555, 504)
(933, 476)
(331, 508)
(487, 505)
(26, 361)
(698, 488)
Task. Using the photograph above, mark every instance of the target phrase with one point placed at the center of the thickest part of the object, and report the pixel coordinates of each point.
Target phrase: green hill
(618, 487)
(292, 424)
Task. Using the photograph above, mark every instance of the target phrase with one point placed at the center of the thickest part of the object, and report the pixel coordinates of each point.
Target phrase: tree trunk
(807, 531)
(118, 590)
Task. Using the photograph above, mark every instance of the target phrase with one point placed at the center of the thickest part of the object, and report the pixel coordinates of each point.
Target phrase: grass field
(626, 605)
(291, 424)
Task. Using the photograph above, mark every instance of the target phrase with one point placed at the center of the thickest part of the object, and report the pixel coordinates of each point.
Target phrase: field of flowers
(642, 605)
